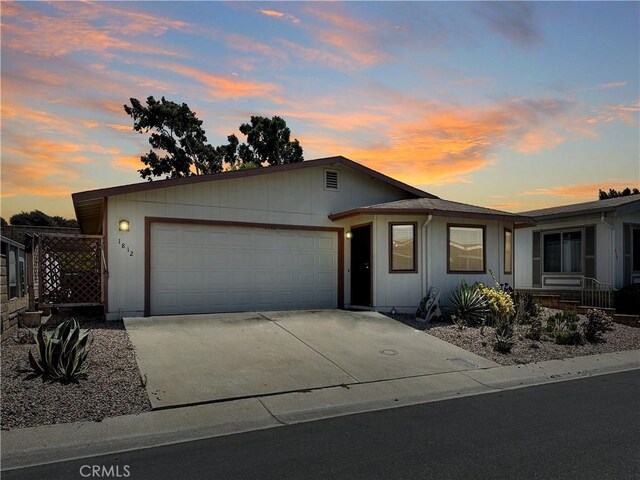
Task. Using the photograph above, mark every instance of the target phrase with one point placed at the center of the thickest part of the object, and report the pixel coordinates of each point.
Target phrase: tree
(179, 134)
(612, 193)
(41, 219)
(268, 143)
(3, 222)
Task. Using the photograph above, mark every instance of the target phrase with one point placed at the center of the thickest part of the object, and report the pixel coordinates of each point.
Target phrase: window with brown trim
(402, 248)
(465, 249)
(508, 251)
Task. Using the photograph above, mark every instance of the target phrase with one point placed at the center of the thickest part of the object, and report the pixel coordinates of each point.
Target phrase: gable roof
(88, 205)
(618, 205)
(435, 206)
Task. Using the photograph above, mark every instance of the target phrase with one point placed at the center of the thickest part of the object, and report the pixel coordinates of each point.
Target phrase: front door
(361, 266)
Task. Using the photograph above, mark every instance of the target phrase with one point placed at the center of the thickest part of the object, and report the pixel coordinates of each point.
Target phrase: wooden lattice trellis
(70, 270)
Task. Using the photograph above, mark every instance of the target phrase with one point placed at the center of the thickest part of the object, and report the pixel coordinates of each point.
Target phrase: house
(13, 284)
(326, 233)
(579, 246)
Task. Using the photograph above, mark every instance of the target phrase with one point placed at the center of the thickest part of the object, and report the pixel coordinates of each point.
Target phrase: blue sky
(508, 105)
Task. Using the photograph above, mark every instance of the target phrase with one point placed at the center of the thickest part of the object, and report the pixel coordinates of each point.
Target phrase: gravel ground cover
(619, 338)
(113, 386)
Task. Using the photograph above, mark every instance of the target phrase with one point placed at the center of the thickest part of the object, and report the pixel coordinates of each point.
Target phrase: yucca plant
(63, 352)
(469, 304)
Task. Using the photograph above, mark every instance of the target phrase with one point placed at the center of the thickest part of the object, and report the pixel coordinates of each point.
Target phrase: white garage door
(204, 268)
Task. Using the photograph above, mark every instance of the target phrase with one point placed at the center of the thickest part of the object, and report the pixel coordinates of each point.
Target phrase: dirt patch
(113, 386)
(619, 338)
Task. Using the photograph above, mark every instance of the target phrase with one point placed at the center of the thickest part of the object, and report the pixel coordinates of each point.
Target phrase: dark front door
(361, 266)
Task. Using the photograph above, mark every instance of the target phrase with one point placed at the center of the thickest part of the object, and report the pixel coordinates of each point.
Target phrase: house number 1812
(125, 248)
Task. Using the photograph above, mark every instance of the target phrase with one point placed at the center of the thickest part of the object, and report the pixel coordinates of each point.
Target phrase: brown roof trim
(174, 182)
(440, 213)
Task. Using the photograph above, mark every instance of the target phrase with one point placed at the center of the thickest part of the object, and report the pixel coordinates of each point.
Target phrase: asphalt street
(580, 429)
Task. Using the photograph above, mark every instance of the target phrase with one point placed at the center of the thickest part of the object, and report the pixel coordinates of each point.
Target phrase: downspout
(612, 239)
(423, 252)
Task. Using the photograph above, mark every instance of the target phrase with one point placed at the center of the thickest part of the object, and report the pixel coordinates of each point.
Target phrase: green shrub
(469, 304)
(568, 337)
(627, 299)
(63, 352)
(563, 327)
(535, 329)
(597, 323)
(504, 339)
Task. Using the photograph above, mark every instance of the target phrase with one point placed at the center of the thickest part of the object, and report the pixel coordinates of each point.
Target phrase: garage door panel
(166, 236)
(190, 237)
(327, 260)
(202, 268)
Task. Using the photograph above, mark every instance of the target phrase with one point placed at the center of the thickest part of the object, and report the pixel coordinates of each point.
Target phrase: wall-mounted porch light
(123, 225)
(349, 235)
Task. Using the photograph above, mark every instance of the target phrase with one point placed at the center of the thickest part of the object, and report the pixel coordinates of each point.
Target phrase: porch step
(569, 305)
(547, 300)
(629, 320)
(582, 309)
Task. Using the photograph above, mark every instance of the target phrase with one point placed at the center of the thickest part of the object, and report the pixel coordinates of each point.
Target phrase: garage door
(207, 268)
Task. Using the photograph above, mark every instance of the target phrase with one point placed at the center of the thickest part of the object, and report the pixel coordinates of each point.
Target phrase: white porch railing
(596, 294)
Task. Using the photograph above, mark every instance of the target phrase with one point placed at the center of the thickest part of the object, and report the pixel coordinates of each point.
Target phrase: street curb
(47, 444)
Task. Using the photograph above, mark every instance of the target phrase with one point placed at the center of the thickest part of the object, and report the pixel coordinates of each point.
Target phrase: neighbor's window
(402, 239)
(508, 250)
(635, 251)
(562, 252)
(466, 249)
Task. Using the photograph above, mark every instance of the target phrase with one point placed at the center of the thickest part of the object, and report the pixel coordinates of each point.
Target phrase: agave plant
(63, 352)
(469, 304)
(504, 337)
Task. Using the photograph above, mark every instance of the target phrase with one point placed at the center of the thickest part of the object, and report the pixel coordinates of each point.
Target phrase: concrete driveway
(191, 359)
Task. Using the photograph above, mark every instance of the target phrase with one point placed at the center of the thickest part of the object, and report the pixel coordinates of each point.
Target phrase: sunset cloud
(82, 27)
(219, 86)
(281, 15)
(606, 86)
(580, 192)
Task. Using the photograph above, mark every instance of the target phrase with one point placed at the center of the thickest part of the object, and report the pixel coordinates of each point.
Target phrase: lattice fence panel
(70, 270)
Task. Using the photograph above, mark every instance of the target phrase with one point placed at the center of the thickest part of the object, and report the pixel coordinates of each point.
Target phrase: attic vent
(330, 180)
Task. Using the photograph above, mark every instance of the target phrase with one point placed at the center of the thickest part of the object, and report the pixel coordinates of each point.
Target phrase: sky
(513, 106)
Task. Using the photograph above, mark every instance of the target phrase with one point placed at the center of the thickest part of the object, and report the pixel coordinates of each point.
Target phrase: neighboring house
(572, 243)
(13, 284)
(327, 233)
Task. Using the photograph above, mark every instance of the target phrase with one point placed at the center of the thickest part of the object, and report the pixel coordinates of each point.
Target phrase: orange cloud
(86, 27)
(281, 15)
(539, 139)
(127, 162)
(218, 86)
(577, 192)
(120, 128)
(357, 40)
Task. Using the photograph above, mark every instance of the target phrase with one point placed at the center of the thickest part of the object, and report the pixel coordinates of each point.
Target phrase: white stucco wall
(404, 290)
(295, 197)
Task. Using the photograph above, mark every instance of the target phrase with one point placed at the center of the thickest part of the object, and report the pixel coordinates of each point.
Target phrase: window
(402, 247)
(635, 249)
(466, 248)
(508, 250)
(562, 252)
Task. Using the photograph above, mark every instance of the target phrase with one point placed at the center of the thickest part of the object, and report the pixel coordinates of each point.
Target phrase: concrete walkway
(195, 359)
(54, 443)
